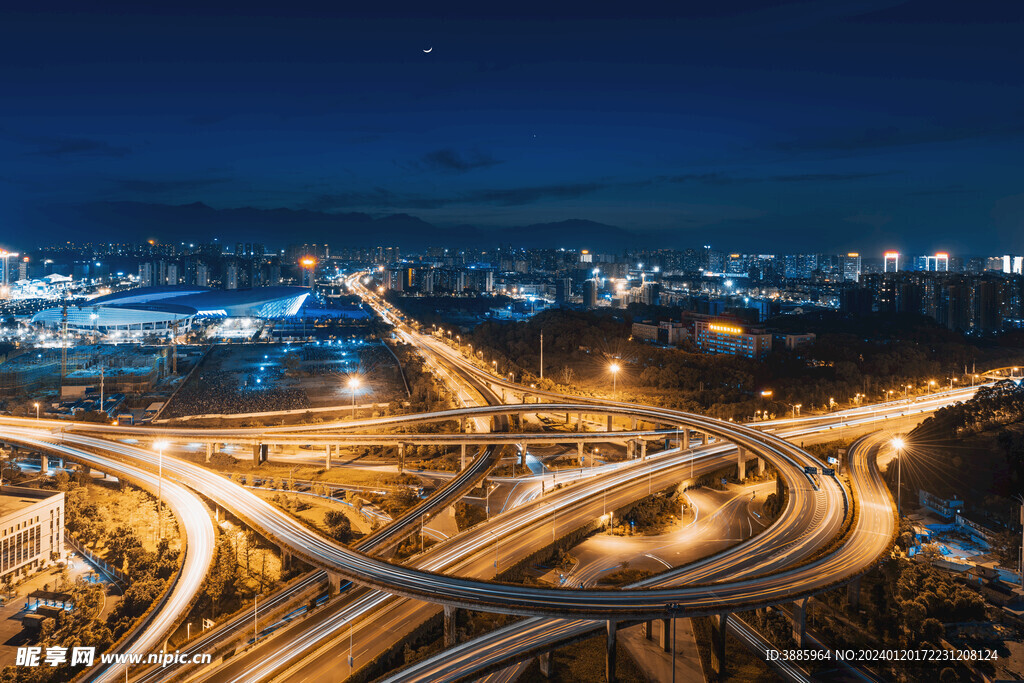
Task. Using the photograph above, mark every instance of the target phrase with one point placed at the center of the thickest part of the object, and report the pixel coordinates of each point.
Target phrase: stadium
(164, 308)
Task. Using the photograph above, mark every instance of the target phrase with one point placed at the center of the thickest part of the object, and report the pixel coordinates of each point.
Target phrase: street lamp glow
(897, 443)
(353, 383)
(614, 368)
(160, 445)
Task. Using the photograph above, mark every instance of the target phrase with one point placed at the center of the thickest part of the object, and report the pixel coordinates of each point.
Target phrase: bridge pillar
(579, 452)
(741, 464)
(256, 454)
(665, 639)
(630, 449)
(327, 456)
(609, 658)
(209, 451)
(718, 633)
(643, 449)
(44, 465)
(286, 557)
(334, 583)
(462, 462)
(462, 425)
(686, 438)
(800, 622)
(401, 457)
(853, 594)
(544, 660)
(449, 626)
(649, 629)
(579, 422)
(609, 423)
(522, 454)
(760, 466)
(632, 424)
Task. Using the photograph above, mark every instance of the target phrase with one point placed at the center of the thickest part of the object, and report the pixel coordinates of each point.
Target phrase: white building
(31, 528)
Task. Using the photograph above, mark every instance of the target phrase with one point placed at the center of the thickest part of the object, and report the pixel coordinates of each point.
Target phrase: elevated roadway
(197, 533)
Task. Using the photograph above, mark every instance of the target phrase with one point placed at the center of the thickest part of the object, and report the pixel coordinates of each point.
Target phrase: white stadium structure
(163, 308)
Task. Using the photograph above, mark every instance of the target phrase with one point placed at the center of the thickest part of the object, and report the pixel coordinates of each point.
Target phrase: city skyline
(860, 126)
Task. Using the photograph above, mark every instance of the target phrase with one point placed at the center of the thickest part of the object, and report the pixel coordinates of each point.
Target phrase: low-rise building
(663, 333)
(31, 528)
(731, 338)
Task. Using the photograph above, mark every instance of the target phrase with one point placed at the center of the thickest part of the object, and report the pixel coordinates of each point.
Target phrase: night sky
(752, 126)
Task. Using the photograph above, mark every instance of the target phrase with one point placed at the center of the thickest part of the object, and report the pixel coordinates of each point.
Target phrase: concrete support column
(631, 449)
(853, 594)
(643, 449)
(800, 622)
(760, 466)
(255, 454)
(449, 626)
(401, 457)
(522, 454)
(609, 659)
(209, 451)
(718, 634)
(665, 639)
(44, 465)
(649, 629)
(741, 464)
(579, 452)
(544, 660)
(327, 457)
(632, 424)
(334, 581)
(579, 422)
(462, 425)
(286, 557)
(462, 461)
(609, 423)
(686, 438)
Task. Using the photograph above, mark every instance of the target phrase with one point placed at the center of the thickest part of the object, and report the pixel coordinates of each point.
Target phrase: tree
(932, 630)
(338, 526)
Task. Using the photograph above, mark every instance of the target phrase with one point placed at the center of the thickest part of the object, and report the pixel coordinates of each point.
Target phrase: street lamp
(353, 384)
(160, 446)
(898, 444)
(37, 410)
(931, 383)
(614, 369)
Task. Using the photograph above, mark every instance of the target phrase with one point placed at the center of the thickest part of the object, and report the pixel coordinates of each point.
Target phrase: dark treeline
(872, 356)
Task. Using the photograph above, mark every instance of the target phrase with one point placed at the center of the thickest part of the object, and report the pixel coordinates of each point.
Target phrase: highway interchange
(794, 557)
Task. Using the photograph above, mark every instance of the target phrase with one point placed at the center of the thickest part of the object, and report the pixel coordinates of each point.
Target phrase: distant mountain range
(198, 222)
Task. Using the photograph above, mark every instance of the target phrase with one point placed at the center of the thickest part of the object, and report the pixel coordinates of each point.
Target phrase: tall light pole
(160, 446)
(614, 369)
(542, 354)
(931, 383)
(899, 477)
(37, 410)
(353, 384)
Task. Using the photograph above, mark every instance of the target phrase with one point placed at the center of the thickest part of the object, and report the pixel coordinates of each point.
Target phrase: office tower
(891, 263)
(851, 267)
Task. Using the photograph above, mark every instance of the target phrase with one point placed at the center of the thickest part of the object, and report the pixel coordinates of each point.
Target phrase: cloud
(451, 161)
(161, 186)
(725, 179)
(881, 137)
(64, 146)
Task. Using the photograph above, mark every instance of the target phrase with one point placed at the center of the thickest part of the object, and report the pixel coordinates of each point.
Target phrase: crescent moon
(429, 49)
